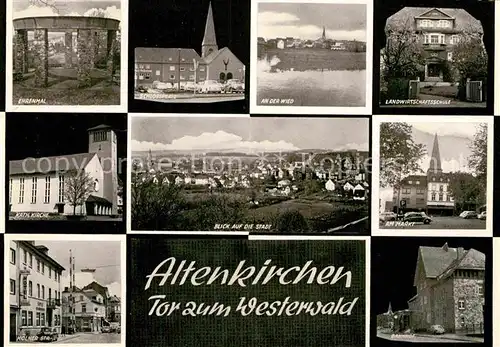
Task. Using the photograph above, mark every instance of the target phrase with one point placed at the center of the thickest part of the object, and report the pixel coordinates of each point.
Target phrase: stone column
(41, 57)
(110, 52)
(94, 47)
(21, 53)
(68, 54)
(84, 53)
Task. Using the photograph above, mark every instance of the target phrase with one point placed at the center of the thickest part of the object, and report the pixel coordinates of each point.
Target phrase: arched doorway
(222, 77)
(229, 76)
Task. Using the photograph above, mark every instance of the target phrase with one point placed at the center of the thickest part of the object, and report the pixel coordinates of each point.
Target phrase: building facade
(429, 193)
(176, 66)
(450, 288)
(85, 307)
(35, 290)
(114, 309)
(41, 184)
(438, 30)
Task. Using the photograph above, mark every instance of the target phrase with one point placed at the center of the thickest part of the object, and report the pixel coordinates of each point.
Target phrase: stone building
(177, 66)
(86, 307)
(35, 289)
(450, 288)
(438, 30)
(40, 184)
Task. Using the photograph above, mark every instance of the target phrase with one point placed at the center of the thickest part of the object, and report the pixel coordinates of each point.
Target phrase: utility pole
(71, 301)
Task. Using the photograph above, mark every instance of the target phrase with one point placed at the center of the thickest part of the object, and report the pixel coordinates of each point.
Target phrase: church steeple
(435, 162)
(324, 34)
(389, 310)
(209, 43)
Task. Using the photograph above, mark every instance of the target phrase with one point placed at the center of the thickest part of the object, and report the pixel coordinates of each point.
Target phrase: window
(46, 198)
(30, 288)
(141, 66)
(61, 189)
(448, 198)
(434, 38)
(182, 59)
(43, 292)
(21, 190)
(12, 256)
(43, 268)
(202, 68)
(147, 75)
(24, 318)
(25, 257)
(37, 319)
(417, 182)
(38, 265)
(479, 290)
(42, 319)
(182, 68)
(158, 73)
(441, 197)
(410, 182)
(84, 308)
(38, 290)
(454, 39)
(433, 197)
(191, 69)
(420, 191)
(450, 56)
(34, 184)
(172, 77)
(406, 190)
(147, 67)
(10, 191)
(461, 304)
(428, 317)
(50, 272)
(81, 297)
(171, 68)
(191, 77)
(31, 260)
(13, 287)
(425, 299)
(30, 318)
(444, 23)
(100, 136)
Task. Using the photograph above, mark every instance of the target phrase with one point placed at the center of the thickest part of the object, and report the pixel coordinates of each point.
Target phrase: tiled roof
(162, 55)
(414, 178)
(44, 165)
(100, 126)
(463, 19)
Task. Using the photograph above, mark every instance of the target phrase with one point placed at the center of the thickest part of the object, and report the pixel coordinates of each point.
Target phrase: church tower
(435, 161)
(323, 37)
(102, 141)
(209, 43)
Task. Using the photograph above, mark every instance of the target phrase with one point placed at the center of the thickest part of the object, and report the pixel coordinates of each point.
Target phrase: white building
(35, 289)
(88, 309)
(330, 186)
(39, 184)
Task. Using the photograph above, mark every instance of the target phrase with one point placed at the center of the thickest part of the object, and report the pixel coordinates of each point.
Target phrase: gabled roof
(45, 165)
(211, 57)
(414, 178)
(468, 260)
(426, 13)
(99, 127)
(463, 19)
(162, 55)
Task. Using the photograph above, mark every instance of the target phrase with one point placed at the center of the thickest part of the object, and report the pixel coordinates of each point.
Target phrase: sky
(89, 254)
(248, 134)
(306, 21)
(35, 8)
(453, 138)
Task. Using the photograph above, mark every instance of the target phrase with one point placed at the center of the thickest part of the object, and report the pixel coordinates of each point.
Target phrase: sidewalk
(454, 337)
(63, 338)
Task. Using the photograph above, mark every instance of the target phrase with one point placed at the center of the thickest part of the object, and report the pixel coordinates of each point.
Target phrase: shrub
(398, 88)
(291, 222)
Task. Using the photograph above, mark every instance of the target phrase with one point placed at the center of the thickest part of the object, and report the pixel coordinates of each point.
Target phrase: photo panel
(434, 57)
(496, 286)
(65, 289)
(2, 172)
(311, 58)
(433, 175)
(260, 292)
(66, 55)
(431, 290)
(191, 56)
(66, 171)
(250, 174)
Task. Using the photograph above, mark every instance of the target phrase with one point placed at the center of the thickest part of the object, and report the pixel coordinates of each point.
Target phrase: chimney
(445, 247)
(43, 249)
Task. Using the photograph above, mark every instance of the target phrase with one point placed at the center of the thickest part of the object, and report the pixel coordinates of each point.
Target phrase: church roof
(165, 55)
(209, 38)
(45, 165)
(211, 57)
(99, 127)
(93, 198)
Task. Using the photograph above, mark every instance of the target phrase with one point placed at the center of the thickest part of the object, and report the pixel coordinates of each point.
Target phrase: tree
(402, 55)
(468, 191)
(478, 160)
(291, 222)
(399, 154)
(78, 186)
(45, 3)
(312, 186)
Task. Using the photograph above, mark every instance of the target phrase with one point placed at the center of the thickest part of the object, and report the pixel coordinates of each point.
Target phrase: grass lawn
(444, 91)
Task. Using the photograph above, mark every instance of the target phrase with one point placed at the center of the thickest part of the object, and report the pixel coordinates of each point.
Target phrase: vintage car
(482, 215)
(388, 216)
(418, 217)
(106, 329)
(436, 329)
(47, 334)
(468, 214)
(234, 85)
(210, 86)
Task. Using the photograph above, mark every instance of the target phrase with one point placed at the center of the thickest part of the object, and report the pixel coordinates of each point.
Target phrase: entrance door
(13, 328)
(89, 206)
(60, 208)
(433, 70)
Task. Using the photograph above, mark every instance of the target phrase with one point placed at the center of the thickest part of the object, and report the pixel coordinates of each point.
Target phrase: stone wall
(444, 305)
(20, 53)
(85, 57)
(111, 50)
(41, 57)
(466, 289)
(68, 43)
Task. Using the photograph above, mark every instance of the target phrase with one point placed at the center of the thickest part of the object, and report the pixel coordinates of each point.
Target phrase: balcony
(53, 303)
(434, 46)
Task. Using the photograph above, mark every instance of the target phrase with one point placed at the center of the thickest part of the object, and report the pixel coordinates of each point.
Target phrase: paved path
(424, 338)
(89, 338)
(442, 223)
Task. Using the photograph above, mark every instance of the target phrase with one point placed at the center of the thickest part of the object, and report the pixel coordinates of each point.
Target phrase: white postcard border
(375, 210)
(3, 191)
(122, 107)
(255, 108)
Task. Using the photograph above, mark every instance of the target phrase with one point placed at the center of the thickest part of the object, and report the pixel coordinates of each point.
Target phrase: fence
(471, 329)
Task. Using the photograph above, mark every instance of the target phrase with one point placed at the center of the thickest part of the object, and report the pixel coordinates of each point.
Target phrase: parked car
(141, 89)
(388, 216)
(436, 329)
(188, 86)
(115, 327)
(160, 85)
(468, 214)
(210, 86)
(419, 217)
(47, 334)
(482, 215)
(234, 85)
(106, 329)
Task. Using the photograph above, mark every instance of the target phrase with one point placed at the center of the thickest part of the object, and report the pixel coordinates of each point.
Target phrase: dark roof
(443, 260)
(99, 127)
(414, 178)
(161, 55)
(46, 165)
(38, 252)
(463, 19)
(93, 198)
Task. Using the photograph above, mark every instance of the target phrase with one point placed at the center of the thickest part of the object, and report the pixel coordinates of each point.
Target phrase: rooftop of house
(30, 166)
(464, 21)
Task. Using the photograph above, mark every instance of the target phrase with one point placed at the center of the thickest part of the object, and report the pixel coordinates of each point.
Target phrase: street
(90, 338)
(203, 98)
(439, 222)
(420, 338)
